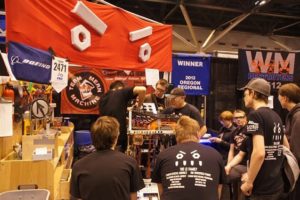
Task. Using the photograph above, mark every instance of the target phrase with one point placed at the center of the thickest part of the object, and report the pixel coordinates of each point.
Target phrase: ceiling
(276, 17)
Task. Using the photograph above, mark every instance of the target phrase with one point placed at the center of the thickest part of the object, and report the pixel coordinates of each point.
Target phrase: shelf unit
(46, 174)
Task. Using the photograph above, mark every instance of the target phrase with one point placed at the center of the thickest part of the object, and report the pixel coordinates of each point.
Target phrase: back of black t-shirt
(188, 110)
(105, 175)
(264, 121)
(189, 171)
(114, 104)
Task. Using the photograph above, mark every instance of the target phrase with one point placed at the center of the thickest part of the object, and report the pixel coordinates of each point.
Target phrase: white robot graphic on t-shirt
(195, 155)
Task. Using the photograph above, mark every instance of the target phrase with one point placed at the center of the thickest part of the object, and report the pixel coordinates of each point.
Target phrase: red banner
(87, 85)
(62, 26)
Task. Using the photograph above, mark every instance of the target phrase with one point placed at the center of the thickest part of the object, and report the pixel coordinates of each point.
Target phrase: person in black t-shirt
(265, 131)
(236, 140)
(179, 106)
(158, 97)
(289, 98)
(224, 134)
(106, 173)
(114, 103)
(189, 170)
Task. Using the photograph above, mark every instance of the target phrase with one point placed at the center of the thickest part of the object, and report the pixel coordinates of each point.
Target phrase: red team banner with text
(86, 86)
(112, 38)
(277, 67)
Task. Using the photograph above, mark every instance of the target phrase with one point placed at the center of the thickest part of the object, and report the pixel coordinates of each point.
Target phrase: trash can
(83, 143)
(28, 194)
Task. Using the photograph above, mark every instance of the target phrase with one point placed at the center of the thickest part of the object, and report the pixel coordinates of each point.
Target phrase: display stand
(145, 131)
(53, 174)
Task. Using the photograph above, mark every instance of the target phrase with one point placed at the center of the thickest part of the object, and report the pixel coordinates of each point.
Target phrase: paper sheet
(152, 76)
(7, 65)
(6, 119)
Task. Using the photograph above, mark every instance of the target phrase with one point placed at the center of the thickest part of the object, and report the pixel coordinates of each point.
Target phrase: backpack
(290, 169)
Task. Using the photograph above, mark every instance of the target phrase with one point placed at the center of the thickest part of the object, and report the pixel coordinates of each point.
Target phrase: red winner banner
(90, 34)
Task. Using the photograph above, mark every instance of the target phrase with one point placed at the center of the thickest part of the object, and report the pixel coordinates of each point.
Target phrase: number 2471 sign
(59, 73)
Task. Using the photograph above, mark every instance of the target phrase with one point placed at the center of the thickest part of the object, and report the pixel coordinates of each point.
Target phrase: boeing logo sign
(16, 60)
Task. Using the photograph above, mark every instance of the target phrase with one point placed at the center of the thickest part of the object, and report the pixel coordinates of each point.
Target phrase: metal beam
(229, 28)
(287, 26)
(188, 22)
(171, 11)
(222, 8)
(280, 44)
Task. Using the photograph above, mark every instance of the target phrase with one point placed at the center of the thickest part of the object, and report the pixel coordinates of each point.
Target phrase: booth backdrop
(47, 24)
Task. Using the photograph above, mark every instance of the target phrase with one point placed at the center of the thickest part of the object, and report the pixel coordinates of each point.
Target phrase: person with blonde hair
(189, 170)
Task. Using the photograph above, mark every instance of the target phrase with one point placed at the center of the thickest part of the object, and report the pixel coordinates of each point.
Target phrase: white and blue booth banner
(192, 73)
(29, 64)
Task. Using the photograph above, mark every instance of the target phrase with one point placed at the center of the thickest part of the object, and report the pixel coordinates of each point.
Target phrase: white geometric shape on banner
(141, 33)
(145, 52)
(89, 17)
(75, 37)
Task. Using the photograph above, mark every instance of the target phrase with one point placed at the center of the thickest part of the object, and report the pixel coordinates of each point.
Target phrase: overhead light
(261, 2)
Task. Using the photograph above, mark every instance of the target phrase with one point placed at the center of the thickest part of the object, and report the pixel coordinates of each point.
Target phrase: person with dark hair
(265, 132)
(116, 85)
(189, 170)
(114, 103)
(179, 106)
(289, 98)
(237, 159)
(106, 173)
(158, 97)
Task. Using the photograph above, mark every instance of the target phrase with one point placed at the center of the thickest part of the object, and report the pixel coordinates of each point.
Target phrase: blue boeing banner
(29, 64)
(2, 27)
(192, 73)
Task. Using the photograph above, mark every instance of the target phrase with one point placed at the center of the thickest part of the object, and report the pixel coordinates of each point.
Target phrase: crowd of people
(248, 151)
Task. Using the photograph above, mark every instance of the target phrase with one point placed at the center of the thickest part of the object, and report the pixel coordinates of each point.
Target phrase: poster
(191, 73)
(277, 67)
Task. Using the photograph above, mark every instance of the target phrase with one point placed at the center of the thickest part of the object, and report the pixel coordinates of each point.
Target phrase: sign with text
(276, 67)
(86, 85)
(191, 73)
(29, 64)
(90, 34)
(59, 74)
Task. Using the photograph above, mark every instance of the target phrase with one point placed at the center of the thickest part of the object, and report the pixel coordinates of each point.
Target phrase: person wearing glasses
(158, 96)
(237, 159)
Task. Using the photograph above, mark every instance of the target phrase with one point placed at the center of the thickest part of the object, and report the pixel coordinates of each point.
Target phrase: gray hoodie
(292, 124)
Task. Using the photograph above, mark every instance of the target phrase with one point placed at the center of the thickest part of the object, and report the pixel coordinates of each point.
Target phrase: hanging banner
(29, 64)
(191, 73)
(59, 74)
(87, 85)
(82, 95)
(276, 67)
(90, 34)
(2, 27)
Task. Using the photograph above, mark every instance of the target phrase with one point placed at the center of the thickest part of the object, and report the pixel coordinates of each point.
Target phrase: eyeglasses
(160, 90)
(239, 117)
